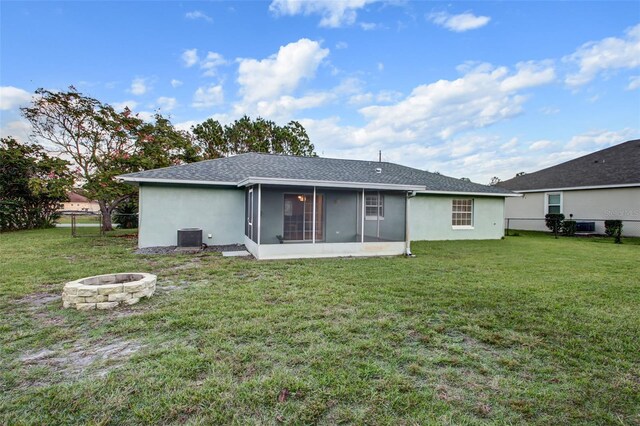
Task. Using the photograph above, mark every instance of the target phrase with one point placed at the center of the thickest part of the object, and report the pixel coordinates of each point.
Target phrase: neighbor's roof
(618, 165)
(252, 168)
(74, 197)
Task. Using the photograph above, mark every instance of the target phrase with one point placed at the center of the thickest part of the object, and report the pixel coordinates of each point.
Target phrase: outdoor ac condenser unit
(190, 238)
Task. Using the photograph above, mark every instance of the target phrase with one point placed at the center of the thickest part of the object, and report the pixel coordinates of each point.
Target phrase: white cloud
(380, 66)
(508, 146)
(196, 14)
(369, 26)
(190, 57)
(441, 126)
(279, 74)
(211, 62)
(335, 13)
(120, 106)
(166, 104)
(208, 96)
(458, 23)
(634, 82)
(598, 139)
(176, 83)
(286, 106)
(608, 54)
(148, 116)
(549, 110)
(342, 45)
(18, 129)
(361, 99)
(13, 97)
(480, 98)
(139, 86)
(529, 74)
(538, 145)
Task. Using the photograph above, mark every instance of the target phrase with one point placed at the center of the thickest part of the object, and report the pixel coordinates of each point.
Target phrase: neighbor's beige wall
(620, 203)
(529, 206)
(93, 206)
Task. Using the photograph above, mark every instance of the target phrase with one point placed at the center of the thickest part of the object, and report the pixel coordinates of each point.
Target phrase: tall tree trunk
(105, 211)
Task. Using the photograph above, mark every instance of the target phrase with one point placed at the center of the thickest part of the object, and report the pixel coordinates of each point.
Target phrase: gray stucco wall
(430, 218)
(615, 203)
(392, 226)
(165, 209)
(341, 216)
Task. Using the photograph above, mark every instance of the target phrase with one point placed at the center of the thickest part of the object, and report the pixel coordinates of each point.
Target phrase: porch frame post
(313, 225)
(259, 210)
(362, 225)
(407, 227)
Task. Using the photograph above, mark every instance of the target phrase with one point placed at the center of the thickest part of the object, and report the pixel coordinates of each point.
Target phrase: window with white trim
(462, 213)
(554, 202)
(374, 206)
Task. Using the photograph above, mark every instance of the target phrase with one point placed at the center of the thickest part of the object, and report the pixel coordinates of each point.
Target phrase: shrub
(554, 221)
(126, 215)
(569, 228)
(613, 228)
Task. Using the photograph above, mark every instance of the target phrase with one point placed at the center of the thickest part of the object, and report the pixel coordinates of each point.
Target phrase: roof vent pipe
(378, 170)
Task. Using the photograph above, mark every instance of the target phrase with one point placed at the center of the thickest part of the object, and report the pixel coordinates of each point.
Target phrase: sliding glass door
(298, 217)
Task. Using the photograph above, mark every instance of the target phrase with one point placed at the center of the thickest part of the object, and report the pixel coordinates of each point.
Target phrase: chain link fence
(630, 227)
(87, 224)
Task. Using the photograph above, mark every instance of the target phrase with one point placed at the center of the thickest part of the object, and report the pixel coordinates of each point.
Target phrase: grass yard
(523, 330)
(93, 219)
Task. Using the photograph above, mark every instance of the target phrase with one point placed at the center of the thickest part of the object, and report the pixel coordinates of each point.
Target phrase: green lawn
(80, 218)
(524, 330)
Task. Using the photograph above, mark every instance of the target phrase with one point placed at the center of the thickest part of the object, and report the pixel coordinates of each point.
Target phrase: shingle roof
(254, 165)
(74, 197)
(617, 165)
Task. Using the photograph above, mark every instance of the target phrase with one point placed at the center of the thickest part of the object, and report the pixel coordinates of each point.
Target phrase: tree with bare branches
(102, 143)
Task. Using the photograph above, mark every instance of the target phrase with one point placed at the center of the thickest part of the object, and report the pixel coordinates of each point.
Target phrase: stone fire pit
(108, 291)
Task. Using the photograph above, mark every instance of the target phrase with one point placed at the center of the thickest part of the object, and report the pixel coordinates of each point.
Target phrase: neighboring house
(79, 203)
(599, 186)
(287, 207)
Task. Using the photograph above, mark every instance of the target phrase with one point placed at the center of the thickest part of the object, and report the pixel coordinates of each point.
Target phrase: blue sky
(469, 89)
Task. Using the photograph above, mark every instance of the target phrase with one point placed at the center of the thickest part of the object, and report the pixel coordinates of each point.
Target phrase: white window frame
(471, 226)
(379, 206)
(546, 201)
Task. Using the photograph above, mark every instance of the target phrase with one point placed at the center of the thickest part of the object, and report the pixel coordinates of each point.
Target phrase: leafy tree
(209, 137)
(32, 185)
(465, 179)
(103, 143)
(246, 135)
(520, 174)
(494, 181)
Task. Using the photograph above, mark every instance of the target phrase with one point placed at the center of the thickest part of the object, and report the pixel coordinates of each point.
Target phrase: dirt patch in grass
(38, 300)
(83, 359)
(172, 249)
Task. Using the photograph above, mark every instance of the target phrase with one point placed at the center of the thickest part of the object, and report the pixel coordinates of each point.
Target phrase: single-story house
(79, 203)
(590, 189)
(282, 206)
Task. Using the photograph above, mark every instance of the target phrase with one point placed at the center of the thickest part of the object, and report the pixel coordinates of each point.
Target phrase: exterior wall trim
(578, 188)
(328, 184)
(308, 250)
(480, 194)
(175, 181)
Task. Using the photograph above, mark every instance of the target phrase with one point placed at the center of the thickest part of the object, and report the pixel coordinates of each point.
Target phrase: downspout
(407, 235)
